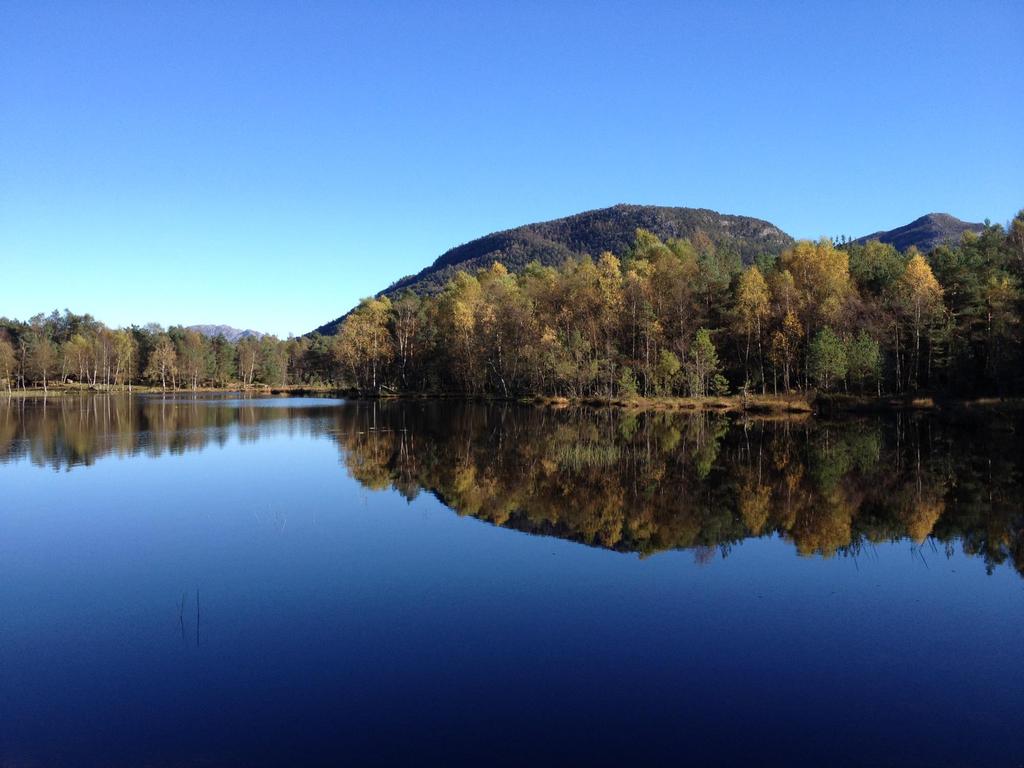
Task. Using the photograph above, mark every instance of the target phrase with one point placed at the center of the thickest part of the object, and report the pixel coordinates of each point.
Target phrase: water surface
(305, 581)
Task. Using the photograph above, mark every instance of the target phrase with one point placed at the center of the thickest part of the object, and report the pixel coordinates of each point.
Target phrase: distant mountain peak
(228, 332)
(925, 232)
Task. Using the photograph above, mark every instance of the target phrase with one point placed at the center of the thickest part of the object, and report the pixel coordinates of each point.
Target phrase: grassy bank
(733, 403)
(794, 404)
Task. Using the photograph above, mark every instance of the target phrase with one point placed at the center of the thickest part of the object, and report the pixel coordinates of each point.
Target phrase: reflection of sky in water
(336, 625)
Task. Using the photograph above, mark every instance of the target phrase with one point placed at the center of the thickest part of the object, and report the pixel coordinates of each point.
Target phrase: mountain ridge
(554, 241)
(228, 332)
(925, 232)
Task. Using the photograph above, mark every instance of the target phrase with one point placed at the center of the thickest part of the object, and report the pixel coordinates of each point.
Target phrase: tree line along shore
(680, 322)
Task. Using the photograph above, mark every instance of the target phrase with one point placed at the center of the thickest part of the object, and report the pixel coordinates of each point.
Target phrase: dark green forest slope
(552, 243)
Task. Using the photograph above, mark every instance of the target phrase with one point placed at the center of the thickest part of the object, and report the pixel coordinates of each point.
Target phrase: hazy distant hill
(229, 333)
(926, 232)
(607, 229)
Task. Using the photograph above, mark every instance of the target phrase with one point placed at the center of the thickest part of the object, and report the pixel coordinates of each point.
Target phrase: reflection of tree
(641, 482)
(67, 432)
(754, 501)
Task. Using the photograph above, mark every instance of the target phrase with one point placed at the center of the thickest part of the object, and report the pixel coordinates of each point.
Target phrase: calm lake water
(315, 582)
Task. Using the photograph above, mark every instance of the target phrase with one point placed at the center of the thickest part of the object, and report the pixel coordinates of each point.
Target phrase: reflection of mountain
(628, 482)
(651, 482)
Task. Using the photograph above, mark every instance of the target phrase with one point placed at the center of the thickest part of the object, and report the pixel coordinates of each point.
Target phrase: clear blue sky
(267, 164)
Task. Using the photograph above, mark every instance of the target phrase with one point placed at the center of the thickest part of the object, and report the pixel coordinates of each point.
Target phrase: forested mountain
(228, 332)
(665, 318)
(592, 233)
(925, 233)
(662, 318)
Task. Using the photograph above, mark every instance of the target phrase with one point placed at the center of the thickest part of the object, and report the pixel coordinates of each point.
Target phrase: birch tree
(921, 298)
(163, 362)
(7, 362)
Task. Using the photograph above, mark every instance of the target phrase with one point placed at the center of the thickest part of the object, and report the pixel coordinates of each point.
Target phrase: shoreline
(816, 404)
